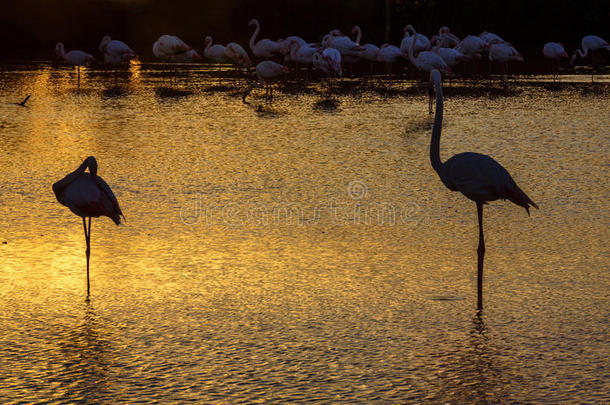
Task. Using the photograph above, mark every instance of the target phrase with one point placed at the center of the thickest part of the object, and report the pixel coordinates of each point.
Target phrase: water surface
(297, 252)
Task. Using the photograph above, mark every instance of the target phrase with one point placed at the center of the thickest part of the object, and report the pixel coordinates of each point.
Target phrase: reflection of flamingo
(590, 44)
(554, 51)
(479, 177)
(267, 72)
(88, 195)
(265, 48)
(74, 57)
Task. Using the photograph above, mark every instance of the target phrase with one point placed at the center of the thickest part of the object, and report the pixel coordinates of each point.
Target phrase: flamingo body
(87, 194)
(236, 53)
(421, 42)
(172, 48)
(504, 52)
(265, 48)
(471, 46)
(554, 50)
(214, 53)
(74, 57)
(389, 54)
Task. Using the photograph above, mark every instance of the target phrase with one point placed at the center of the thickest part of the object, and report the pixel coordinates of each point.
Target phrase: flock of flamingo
(441, 52)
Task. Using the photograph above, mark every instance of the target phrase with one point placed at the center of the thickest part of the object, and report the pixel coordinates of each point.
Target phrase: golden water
(293, 253)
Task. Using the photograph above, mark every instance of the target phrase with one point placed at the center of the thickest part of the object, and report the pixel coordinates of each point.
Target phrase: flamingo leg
(481, 256)
(88, 250)
(78, 80)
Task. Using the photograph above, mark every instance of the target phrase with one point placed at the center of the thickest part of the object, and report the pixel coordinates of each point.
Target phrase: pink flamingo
(74, 57)
(88, 195)
(590, 44)
(267, 72)
(479, 177)
(554, 51)
(265, 48)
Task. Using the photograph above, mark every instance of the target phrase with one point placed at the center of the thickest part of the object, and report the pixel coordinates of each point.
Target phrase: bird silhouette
(22, 104)
(88, 195)
(479, 177)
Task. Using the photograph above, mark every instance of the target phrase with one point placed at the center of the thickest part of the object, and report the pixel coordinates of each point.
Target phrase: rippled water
(297, 252)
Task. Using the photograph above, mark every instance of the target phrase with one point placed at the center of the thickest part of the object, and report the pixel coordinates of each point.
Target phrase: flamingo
(445, 38)
(74, 57)
(267, 72)
(115, 51)
(172, 48)
(265, 48)
(236, 53)
(389, 54)
(490, 38)
(329, 62)
(214, 53)
(479, 177)
(471, 47)
(286, 43)
(344, 45)
(421, 42)
(370, 53)
(554, 51)
(503, 52)
(301, 54)
(592, 44)
(88, 195)
(351, 59)
(427, 61)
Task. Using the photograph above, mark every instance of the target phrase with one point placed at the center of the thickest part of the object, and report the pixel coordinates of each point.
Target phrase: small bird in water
(24, 101)
(88, 195)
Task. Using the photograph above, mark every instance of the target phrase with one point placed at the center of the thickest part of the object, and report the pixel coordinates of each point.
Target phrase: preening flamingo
(422, 43)
(554, 51)
(329, 62)
(285, 46)
(236, 53)
(115, 51)
(267, 72)
(88, 195)
(172, 48)
(74, 57)
(471, 47)
(479, 177)
(301, 55)
(590, 44)
(265, 48)
(445, 38)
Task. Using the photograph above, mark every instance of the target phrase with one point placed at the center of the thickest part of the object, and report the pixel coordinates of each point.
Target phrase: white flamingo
(237, 54)
(554, 51)
(590, 44)
(503, 52)
(285, 46)
(445, 38)
(390, 54)
(267, 72)
(115, 51)
(88, 195)
(265, 48)
(214, 52)
(478, 177)
(74, 57)
(490, 38)
(471, 47)
(329, 62)
(422, 43)
(172, 48)
(301, 55)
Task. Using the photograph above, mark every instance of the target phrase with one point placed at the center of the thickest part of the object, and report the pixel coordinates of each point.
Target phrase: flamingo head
(253, 21)
(356, 29)
(91, 163)
(336, 33)
(409, 29)
(326, 41)
(443, 30)
(207, 40)
(59, 49)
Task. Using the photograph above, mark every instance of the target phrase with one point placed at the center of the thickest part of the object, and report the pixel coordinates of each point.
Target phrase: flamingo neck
(208, 45)
(358, 35)
(412, 47)
(254, 34)
(435, 156)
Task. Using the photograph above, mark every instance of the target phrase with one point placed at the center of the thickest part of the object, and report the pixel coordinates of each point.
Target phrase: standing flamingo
(214, 52)
(490, 38)
(88, 195)
(479, 177)
(74, 57)
(590, 44)
(445, 38)
(554, 51)
(389, 54)
(267, 72)
(265, 48)
(421, 41)
(503, 52)
(329, 62)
